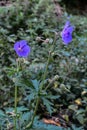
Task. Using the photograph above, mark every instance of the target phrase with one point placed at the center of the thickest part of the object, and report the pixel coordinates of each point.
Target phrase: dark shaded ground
(75, 6)
(5, 2)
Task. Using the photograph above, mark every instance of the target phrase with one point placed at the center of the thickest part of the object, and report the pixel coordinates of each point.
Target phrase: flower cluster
(66, 34)
(21, 48)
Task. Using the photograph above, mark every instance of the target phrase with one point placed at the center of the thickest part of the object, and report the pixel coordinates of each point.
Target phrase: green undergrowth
(67, 94)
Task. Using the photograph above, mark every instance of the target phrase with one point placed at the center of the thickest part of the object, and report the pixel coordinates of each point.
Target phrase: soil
(5, 2)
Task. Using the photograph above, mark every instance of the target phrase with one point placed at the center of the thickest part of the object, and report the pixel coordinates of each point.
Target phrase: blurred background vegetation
(33, 19)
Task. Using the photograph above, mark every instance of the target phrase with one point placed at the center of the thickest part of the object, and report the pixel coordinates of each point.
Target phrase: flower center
(19, 49)
(67, 34)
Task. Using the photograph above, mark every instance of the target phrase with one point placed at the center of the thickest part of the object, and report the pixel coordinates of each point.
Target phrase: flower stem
(31, 123)
(15, 106)
(15, 102)
(48, 61)
(45, 73)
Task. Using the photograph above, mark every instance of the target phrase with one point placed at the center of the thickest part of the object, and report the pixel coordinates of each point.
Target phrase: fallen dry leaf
(50, 121)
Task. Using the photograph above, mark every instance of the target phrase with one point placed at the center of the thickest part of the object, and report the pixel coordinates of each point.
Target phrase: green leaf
(76, 128)
(80, 118)
(31, 96)
(19, 109)
(52, 96)
(48, 105)
(73, 107)
(2, 115)
(36, 84)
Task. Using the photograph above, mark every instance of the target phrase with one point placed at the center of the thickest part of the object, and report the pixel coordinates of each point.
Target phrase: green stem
(48, 61)
(45, 73)
(31, 123)
(15, 102)
(15, 106)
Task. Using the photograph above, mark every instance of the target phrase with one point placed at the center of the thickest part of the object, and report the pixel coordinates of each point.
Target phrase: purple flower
(21, 48)
(66, 34)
